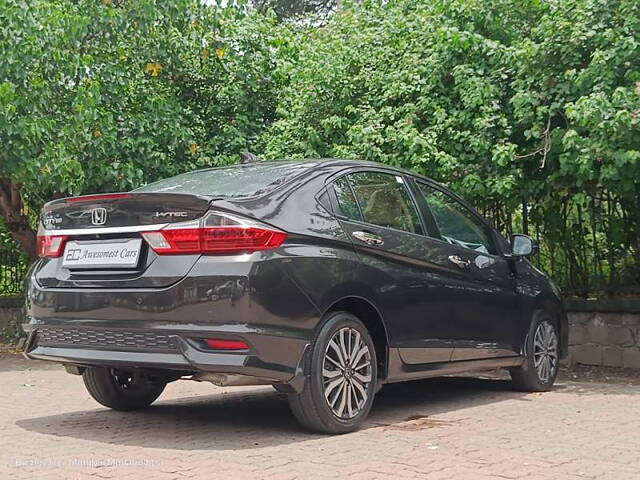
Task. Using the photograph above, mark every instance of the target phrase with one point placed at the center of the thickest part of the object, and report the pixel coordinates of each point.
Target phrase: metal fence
(13, 268)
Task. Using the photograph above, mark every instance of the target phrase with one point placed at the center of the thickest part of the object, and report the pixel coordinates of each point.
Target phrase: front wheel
(540, 368)
(121, 389)
(339, 390)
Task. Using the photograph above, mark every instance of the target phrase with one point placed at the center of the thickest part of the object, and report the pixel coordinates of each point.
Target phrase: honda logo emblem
(99, 216)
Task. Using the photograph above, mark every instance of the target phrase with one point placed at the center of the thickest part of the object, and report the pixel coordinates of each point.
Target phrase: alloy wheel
(130, 382)
(346, 373)
(545, 351)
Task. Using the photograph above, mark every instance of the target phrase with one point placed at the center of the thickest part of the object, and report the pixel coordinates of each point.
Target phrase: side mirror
(523, 245)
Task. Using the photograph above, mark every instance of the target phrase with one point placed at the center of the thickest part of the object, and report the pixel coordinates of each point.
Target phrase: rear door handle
(368, 238)
(459, 262)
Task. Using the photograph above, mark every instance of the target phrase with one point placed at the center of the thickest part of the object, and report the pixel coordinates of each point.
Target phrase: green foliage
(295, 8)
(13, 333)
(528, 108)
(13, 265)
(99, 96)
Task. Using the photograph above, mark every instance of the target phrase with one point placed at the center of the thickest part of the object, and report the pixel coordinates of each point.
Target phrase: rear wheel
(339, 390)
(122, 389)
(540, 369)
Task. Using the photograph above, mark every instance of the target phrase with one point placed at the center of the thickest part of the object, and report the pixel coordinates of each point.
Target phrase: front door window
(456, 223)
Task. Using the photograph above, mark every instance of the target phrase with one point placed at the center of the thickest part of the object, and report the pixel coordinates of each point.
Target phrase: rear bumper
(181, 354)
(164, 328)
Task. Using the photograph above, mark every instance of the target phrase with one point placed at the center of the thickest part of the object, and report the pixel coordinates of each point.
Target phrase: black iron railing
(13, 268)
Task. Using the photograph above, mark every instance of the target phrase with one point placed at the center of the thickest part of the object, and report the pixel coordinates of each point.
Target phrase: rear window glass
(237, 181)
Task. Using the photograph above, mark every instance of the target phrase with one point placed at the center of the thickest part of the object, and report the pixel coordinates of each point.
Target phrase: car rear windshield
(237, 181)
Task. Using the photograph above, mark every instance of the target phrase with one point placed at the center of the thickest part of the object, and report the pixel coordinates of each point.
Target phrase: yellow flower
(193, 148)
(153, 69)
(220, 53)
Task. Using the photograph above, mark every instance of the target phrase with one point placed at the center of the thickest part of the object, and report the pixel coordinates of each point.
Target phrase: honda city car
(324, 278)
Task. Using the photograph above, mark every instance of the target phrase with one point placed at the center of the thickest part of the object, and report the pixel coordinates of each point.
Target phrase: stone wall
(604, 332)
(10, 310)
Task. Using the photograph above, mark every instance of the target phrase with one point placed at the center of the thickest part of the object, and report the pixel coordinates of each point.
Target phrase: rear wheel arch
(368, 314)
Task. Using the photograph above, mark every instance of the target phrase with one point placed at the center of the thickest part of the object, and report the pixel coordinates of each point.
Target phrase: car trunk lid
(101, 243)
(117, 210)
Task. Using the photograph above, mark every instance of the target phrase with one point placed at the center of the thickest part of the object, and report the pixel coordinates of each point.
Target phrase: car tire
(339, 389)
(121, 389)
(540, 368)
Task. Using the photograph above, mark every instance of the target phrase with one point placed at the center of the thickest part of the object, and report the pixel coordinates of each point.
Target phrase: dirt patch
(418, 422)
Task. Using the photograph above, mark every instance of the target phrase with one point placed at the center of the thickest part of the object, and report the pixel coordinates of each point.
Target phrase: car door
(377, 211)
(485, 317)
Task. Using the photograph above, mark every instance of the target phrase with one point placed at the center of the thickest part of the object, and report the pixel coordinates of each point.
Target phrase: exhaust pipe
(231, 380)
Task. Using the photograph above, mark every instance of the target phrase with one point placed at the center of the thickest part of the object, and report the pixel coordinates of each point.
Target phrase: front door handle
(368, 238)
(459, 262)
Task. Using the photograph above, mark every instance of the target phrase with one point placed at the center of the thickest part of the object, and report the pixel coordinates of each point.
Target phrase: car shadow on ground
(261, 417)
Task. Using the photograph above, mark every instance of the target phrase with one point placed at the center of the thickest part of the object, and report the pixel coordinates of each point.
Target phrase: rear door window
(377, 198)
(347, 206)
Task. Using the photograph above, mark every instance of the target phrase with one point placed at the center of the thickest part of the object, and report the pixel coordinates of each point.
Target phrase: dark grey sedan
(326, 279)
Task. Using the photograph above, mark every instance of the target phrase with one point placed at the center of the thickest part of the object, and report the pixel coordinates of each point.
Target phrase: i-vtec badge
(50, 221)
(99, 216)
(171, 214)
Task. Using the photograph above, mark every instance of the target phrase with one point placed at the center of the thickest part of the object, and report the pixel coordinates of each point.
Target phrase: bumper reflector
(220, 344)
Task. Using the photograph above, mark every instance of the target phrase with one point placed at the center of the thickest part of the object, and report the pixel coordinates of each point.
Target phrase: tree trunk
(15, 218)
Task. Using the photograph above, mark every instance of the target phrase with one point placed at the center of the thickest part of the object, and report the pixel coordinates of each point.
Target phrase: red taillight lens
(220, 344)
(218, 234)
(239, 239)
(175, 241)
(51, 246)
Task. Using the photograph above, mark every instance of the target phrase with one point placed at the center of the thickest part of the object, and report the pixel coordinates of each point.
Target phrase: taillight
(215, 233)
(51, 246)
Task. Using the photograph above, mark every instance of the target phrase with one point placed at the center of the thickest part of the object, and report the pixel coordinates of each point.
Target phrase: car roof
(341, 163)
(318, 163)
(337, 163)
(326, 168)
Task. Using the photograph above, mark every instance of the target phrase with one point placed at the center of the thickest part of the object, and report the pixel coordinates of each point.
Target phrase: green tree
(422, 85)
(577, 126)
(296, 8)
(529, 109)
(107, 96)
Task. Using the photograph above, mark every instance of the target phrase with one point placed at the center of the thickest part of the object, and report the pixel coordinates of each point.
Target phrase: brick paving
(454, 428)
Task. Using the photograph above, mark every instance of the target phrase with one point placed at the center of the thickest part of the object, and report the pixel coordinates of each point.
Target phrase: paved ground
(456, 428)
